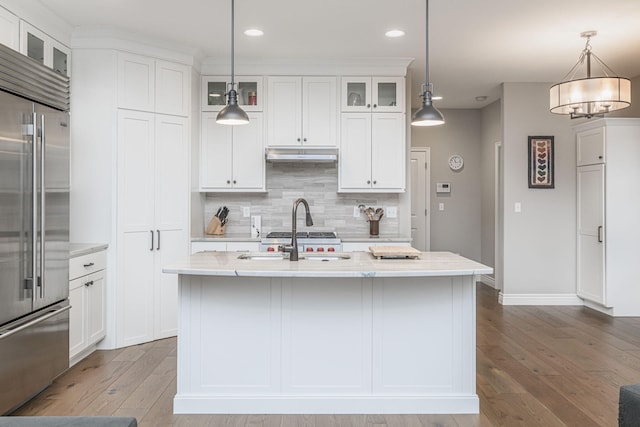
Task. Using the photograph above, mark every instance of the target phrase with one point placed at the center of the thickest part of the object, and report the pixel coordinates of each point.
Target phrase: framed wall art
(541, 168)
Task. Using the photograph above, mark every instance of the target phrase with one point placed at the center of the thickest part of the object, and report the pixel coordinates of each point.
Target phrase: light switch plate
(391, 212)
(246, 211)
(441, 206)
(356, 212)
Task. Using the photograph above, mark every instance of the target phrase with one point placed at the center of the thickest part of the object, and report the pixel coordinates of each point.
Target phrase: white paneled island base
(368, 336)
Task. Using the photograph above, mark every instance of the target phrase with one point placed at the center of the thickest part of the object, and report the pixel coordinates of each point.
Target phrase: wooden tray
(381, 252)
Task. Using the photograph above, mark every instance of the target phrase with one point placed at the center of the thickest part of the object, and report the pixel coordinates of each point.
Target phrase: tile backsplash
(318, 184)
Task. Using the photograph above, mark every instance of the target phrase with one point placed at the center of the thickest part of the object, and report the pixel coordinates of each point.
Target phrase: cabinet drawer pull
(88, 265)
(90, 283)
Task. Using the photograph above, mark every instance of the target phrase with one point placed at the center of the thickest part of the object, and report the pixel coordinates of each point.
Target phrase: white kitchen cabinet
(87, 317)
(232, 157)
(249, 89)
(153, 178)
(9, 29)
(302, 111)
(147, 84)
(372, 94)
(372, 152)
(590, 147)
(44, 49)
(608, 199)
(130, 176)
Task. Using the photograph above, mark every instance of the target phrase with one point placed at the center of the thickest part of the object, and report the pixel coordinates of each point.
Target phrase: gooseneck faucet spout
(293, 248)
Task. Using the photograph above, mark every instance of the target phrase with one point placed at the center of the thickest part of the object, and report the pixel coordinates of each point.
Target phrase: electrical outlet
(517, 207)
(441, 206)
(246, 211)
(356, 212)
(391, 212)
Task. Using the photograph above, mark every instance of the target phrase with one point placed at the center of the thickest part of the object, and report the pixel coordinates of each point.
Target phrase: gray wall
(458, 227)
(491, 131)
(539, 242)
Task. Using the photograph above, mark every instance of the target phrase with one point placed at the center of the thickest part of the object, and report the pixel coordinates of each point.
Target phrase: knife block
(215, 227)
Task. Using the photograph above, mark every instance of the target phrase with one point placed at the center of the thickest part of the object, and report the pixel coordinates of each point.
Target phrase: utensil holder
(215, 227)
(374, 227)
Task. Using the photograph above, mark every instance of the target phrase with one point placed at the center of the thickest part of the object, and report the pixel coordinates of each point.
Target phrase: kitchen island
(357, 335)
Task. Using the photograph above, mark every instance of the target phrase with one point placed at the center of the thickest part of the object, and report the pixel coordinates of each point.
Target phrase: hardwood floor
(536, 366)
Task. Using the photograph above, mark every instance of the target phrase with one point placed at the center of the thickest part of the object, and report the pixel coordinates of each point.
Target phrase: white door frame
(426, 189)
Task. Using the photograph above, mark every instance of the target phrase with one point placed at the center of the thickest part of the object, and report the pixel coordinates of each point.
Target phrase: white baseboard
(488, 280)
(539, 299)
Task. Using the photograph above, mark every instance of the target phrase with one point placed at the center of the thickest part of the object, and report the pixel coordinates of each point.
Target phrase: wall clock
(456, 162)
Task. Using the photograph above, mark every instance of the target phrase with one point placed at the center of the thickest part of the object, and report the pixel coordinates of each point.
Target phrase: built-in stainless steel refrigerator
(34, 227)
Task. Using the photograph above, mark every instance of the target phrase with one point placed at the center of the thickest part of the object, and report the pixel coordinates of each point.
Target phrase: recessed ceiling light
(253, 32)
(394, 33)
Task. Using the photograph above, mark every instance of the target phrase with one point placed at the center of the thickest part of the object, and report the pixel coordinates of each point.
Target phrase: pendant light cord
(427, 47)
(232, 43)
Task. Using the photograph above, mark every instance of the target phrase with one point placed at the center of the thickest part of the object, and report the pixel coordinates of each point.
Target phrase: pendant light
(591, 96)
(232, 114)
(428, 115)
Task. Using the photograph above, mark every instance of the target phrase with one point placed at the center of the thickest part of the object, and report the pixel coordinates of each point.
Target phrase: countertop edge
(80, 249)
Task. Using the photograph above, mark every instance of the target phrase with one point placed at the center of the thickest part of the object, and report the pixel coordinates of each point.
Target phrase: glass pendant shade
(232, 114)
(590, 96)
(428, 115)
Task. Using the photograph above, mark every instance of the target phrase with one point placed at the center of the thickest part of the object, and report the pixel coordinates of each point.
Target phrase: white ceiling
(474, 44)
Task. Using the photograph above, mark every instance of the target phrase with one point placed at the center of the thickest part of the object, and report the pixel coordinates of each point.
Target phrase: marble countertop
(79, 249)
(227, 237)
(349, 238)
(361, 264)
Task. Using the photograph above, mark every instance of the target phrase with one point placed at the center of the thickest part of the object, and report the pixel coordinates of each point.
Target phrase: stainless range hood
(301, 154)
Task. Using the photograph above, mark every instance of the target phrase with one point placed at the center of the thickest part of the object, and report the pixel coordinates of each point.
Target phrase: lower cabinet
(87, 321)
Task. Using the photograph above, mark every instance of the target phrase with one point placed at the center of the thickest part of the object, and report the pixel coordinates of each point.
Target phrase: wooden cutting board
(394, 252)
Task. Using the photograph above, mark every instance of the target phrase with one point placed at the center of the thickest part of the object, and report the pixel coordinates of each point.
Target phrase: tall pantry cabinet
(130, 182)
(608, 201)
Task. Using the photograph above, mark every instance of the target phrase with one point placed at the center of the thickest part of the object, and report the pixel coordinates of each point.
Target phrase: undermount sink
(264, 256)
(275, 256)
(324, 257)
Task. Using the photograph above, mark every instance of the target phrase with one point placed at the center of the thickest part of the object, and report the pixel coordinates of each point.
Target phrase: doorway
(420, 198)
(498, 218)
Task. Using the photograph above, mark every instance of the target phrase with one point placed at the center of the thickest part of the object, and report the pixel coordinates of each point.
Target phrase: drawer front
(87, 264)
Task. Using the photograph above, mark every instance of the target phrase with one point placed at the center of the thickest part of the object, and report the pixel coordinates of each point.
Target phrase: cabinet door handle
(298, 139)
(304, 140)
(368, 105)
(375, 182)
(599, 234)
(234, 181)
(158, 247)
(151, 231)
(375, 105)
(88, 265)
(368, 181)
(228, 181)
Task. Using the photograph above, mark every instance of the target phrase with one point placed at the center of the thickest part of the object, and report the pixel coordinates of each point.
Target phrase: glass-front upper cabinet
(372, 94)
(44, 49)
(249, 88)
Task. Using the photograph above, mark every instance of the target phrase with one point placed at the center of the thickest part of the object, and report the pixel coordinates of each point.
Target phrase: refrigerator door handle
(34, 202)
(50, 314)
(42, 207)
